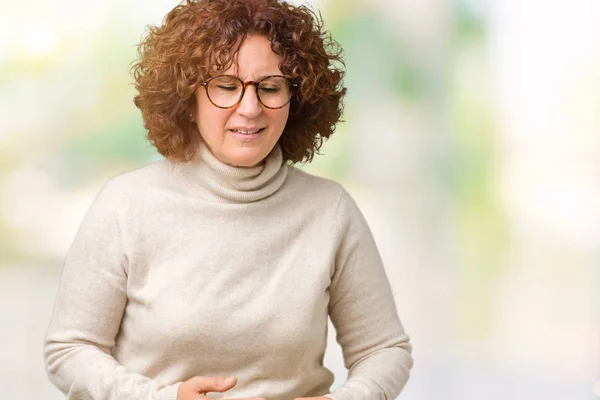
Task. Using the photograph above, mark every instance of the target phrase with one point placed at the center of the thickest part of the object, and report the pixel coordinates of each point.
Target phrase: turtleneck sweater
(204, 269)
(215, 181)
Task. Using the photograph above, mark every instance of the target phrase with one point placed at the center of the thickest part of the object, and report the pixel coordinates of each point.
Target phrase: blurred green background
(471, 142)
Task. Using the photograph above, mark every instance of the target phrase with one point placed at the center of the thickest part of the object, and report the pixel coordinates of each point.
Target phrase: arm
(88, 311)
(375, 347)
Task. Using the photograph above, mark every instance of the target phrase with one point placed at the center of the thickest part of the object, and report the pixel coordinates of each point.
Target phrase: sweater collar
(214, 180)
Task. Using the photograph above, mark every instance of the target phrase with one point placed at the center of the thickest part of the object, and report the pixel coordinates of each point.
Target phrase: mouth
(247, 132)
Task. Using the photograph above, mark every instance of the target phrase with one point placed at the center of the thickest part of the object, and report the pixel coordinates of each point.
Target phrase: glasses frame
(293, 86)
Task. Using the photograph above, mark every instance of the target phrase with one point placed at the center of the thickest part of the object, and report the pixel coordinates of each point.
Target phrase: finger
(246, 398)
(312, 398)
(204, 384)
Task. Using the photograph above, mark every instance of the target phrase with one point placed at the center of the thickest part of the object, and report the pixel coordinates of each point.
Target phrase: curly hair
(201, 37)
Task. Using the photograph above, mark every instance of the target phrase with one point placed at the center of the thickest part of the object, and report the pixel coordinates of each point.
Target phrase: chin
(246, 158)
(246, 162)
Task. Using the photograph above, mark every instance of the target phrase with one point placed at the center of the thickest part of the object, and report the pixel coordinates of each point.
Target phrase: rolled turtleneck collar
(214, 180)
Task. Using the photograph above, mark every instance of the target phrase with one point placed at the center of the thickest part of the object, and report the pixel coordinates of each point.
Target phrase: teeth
(246, 132)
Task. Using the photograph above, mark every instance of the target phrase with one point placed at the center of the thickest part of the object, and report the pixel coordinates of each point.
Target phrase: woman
(223, 260)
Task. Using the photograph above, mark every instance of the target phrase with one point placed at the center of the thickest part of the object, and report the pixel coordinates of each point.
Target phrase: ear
(191, 108)
(192, 113)
(295, 107)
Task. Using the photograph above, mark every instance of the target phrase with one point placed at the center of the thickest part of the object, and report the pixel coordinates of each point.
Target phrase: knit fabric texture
(204, 269)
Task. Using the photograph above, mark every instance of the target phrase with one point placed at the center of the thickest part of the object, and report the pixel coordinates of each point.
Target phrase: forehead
(254, 59)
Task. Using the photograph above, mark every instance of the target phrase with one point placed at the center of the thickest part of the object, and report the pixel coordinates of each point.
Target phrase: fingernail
(229, 381)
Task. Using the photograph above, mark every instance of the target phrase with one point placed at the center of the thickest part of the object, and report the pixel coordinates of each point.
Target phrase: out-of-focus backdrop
(471, 142)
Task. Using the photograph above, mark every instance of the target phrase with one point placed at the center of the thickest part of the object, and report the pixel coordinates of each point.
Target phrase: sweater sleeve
(376, 350)
(87, 314)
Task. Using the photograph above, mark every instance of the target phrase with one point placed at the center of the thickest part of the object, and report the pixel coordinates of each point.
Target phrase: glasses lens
(274, 92)
(225, 91)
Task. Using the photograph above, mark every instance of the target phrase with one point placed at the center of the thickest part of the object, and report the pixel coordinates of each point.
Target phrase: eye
(228, 88)
(269, 89)
(225, 83)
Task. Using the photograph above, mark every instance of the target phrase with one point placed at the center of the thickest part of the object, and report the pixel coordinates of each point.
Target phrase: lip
(243, 137)
(246, 128)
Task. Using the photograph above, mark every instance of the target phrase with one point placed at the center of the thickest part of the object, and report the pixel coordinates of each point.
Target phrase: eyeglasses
(226, 91)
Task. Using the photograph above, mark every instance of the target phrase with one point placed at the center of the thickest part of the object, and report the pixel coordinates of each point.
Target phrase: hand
(196, 388)
(313, 398)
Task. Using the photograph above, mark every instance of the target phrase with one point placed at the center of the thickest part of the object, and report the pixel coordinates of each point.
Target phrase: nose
(249, 106)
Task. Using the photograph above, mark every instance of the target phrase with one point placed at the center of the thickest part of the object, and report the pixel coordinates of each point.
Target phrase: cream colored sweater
(201, 268)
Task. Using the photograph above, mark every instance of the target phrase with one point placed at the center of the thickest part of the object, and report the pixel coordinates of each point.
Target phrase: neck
(214, 180)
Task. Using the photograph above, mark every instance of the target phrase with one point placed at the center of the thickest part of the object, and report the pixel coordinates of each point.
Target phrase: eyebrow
(258, 78)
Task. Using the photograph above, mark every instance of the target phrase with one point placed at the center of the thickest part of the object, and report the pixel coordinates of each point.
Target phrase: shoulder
(131, 189)
(156, 174)
(323, 193)
(152, 172)
(315, 187)
(303, 183)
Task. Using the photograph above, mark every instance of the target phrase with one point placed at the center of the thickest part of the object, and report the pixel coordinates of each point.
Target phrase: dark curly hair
(201, 37)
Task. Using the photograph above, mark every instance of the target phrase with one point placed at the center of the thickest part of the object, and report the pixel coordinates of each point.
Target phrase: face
(225, 131)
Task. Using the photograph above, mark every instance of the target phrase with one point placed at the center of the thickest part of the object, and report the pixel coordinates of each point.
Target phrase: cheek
(211, 120)
(280, 118)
